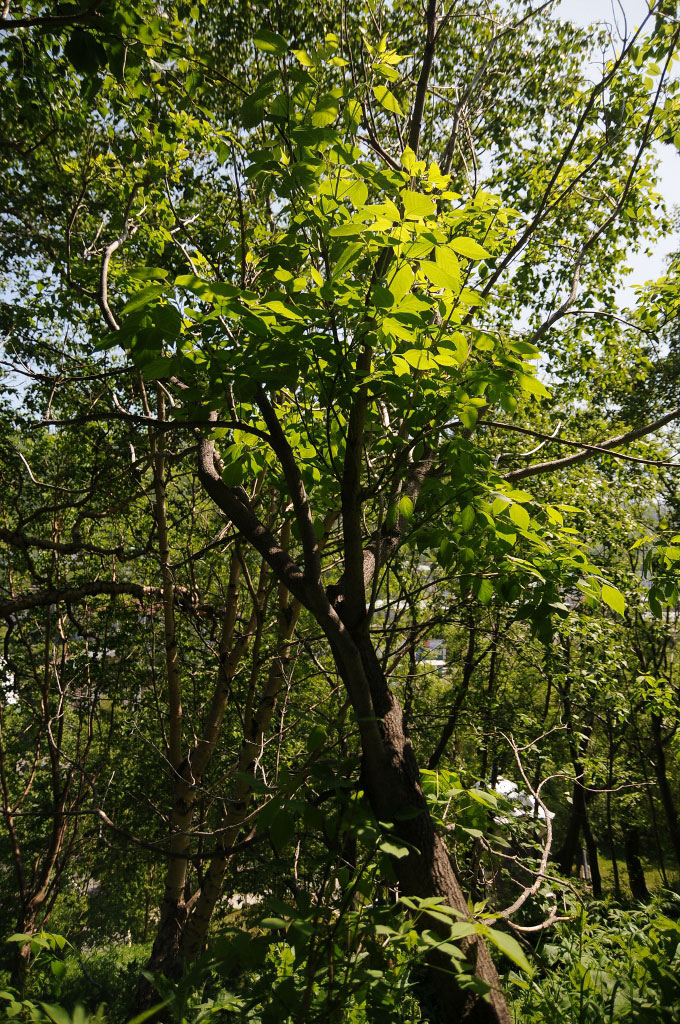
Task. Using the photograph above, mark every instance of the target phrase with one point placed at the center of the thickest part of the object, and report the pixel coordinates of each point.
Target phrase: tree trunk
(452, 720)
(610, 827)
(21, 952)
(580, 822)
(664, 787)
(392, 782)
(567, 854)
(390, 770)
(636, 874)
(591, 847)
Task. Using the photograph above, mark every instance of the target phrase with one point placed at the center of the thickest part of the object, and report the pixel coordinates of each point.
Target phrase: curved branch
(25, 540)
(51, 20)
(44, 598)
(103, 294)
(233, 501)
(586, 451)
(298, 494)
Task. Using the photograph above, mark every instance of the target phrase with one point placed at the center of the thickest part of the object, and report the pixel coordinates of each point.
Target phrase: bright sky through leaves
(585, 12)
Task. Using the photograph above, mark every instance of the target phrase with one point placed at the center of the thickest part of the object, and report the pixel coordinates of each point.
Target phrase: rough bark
(392, 782)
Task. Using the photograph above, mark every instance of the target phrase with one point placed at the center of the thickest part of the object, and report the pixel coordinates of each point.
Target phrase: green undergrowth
(606, 965)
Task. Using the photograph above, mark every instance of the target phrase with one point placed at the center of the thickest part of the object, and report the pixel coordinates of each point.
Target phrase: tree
(333, 348)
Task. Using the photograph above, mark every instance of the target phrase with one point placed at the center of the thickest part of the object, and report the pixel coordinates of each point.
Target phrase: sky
(584, 12)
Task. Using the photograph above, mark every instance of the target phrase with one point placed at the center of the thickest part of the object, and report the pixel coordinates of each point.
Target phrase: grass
(653, 876)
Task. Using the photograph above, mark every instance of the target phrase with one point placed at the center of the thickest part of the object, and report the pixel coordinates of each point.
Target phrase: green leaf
(419, 359)
(468, 416)
(56, 1013)
(158, 368)
(358, 194)
(168, 319)
(484, 590)
(58, 968)
(461, 929)
(614, 598)
(393, 850)
(532, 385)
(353, 113)
(304, 58)
(276, 306)
(270, 42)
(144, 297)
(445, 357)
(141, 1017)
(85, 52)
(387, 99)
(326, 111)
(447, 259)
(439, 276)
(316, 738)
(408, 159)
(469, 248)
(406, 507)
(148, 274)
(519, 516)
(510, 947)
(401, 282)
(417, 205)
(282, 829)
(467, 518)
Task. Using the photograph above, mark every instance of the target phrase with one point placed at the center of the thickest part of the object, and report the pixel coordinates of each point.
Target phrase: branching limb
(45, 598)
(49, 20)
(534, 451)
(586, 451)
(103, 294)
(296, 488)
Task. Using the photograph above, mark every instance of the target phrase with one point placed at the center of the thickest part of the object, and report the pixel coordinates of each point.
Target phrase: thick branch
(150, 421)
(296, 487)
(233, 501)
(26, 541)
(51, 20)
(424, 77)
(585, 451)
(45, 598)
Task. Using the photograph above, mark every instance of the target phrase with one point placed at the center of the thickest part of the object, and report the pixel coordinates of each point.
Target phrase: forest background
(339, 514)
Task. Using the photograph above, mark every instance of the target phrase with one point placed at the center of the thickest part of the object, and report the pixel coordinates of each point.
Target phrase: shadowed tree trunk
(579, 823)
(663, 783)
(636, 874)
